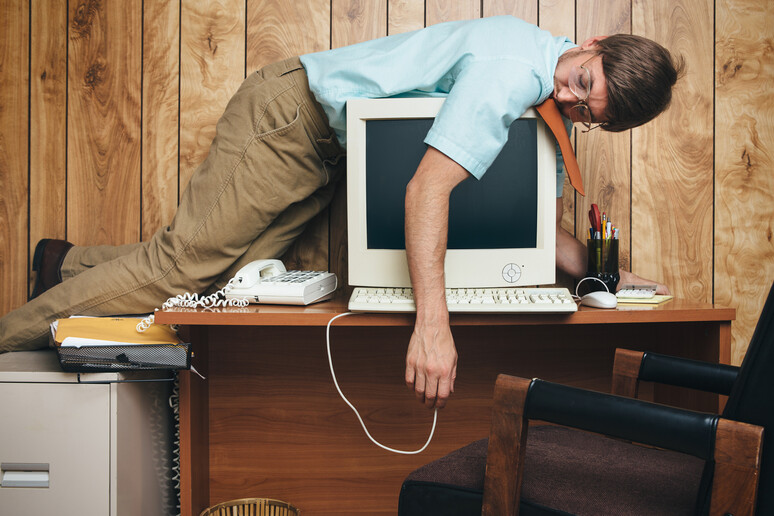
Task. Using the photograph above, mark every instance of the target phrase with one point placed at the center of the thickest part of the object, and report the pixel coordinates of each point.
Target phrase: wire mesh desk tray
(105, 344)
(124, 357)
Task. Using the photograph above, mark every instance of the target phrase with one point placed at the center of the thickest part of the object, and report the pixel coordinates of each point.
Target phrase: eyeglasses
(580, 85)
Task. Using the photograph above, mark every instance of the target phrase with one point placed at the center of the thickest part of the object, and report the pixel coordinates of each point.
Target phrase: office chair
(613, 454)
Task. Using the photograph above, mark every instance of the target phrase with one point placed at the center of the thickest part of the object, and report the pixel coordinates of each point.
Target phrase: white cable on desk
(333, 375)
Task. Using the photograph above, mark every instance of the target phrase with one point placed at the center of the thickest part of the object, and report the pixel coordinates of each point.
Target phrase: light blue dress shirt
(491, 70)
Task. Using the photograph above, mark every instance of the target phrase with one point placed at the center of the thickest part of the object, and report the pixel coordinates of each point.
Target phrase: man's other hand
(431, 365)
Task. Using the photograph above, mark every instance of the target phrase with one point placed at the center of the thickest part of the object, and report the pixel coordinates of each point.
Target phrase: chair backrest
(752, 398)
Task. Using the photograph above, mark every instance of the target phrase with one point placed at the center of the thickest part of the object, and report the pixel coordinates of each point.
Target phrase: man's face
(564, 96)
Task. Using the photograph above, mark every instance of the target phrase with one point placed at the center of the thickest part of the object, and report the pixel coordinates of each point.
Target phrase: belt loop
(289, 65)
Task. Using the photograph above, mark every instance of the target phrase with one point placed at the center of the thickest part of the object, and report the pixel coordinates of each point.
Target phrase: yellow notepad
(655, 300)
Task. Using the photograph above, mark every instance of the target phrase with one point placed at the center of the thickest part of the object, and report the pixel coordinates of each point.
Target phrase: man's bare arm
(431, 359)
(571, 256)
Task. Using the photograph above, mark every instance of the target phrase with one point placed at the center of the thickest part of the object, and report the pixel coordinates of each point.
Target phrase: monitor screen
(501, 227)
(478, 209)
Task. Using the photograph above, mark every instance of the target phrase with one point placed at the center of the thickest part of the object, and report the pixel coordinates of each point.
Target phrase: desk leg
(724, 341)
(724, 346)
(194, 428)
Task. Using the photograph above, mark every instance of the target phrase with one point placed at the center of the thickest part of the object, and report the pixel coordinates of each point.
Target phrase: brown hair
(640, 74)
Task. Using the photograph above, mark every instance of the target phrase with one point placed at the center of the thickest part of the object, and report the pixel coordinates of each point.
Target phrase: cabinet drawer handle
(20, 474)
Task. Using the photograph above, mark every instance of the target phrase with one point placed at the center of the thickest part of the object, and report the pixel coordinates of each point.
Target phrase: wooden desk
(268, 422)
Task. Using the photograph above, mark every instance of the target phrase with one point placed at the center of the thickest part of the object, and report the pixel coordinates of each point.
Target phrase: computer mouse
(600, 299)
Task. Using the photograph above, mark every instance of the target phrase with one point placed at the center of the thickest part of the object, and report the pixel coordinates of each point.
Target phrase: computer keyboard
(467, 300)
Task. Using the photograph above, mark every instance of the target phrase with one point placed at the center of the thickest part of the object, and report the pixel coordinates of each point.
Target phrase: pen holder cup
(602, 264)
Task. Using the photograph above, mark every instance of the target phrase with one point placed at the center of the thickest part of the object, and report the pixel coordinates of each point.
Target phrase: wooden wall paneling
(14, 80)
(439, 11)
(48, 121)
(527, 10)
(160, 113)
(277, 30)
(744, 183)
(672, 160)
(212, 66)
(603, 157)
(405, 15)
(355, 21)
(352, 21)
(103, 122)
(558, 18)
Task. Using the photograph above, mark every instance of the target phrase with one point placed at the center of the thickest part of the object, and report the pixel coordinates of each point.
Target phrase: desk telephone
(261, 281)
(267, 281)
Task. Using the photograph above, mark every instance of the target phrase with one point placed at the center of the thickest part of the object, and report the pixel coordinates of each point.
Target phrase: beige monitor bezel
(463, 268)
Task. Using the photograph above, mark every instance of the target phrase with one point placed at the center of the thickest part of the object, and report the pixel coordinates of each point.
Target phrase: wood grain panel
(48, 122)
(103, 122)
(277, 30)
(744, 183)
(14, 82)
(352, 21)
(212, 66)
(277, 425)
(405, 15)
(439, 11)
(558, 17)
(604, 157)
(160, 113)
(672, 159)
(526, 10)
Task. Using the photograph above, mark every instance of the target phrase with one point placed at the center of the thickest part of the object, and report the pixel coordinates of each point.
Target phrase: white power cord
(377, 443)
(188, 300)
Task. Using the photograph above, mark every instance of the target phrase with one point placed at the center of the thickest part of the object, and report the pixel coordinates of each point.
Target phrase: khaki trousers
(271, 168)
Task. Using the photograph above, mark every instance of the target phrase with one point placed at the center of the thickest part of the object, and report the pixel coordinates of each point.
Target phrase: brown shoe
(47, 262)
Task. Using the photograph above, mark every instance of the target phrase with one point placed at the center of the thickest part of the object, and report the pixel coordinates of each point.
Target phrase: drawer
(66, 426)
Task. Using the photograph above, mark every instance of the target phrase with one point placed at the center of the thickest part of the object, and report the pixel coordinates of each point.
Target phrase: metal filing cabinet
(68, 446)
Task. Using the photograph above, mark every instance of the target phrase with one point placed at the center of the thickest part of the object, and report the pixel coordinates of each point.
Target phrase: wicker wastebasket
(251, 507)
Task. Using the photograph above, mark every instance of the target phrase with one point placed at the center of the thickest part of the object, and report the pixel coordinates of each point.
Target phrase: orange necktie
(550, 113)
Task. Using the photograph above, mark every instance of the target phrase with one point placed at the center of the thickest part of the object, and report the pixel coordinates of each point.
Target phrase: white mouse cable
(336, 384)
(589, 278)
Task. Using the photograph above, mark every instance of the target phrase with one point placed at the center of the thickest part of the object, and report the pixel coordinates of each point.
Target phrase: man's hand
(431, 359)
(630, 277)
(431, 365)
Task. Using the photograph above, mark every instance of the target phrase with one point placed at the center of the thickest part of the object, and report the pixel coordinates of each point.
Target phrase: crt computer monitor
(502, 228)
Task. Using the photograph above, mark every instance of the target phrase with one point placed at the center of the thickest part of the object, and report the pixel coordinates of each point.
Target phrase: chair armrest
(630, 367)
(735, 447)
(685, 431)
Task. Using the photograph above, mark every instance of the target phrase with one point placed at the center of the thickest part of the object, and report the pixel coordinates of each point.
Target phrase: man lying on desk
(278, 153)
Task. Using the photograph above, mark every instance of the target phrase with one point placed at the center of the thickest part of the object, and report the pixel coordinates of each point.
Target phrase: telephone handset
(267, 281)
(254, 272)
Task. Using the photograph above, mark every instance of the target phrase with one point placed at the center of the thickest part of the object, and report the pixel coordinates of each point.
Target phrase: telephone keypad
(295, 277)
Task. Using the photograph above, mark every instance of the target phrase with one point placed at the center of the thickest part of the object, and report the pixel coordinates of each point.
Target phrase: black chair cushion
(566, 471)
